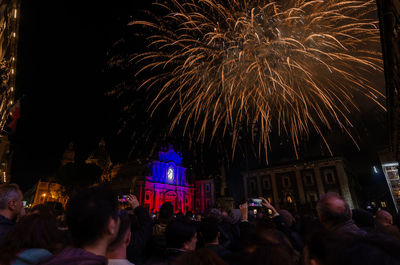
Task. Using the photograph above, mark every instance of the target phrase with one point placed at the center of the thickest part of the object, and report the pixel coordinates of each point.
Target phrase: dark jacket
(141, 236)
(5, 226)
(76, 256)
(349, 227)
(294, 236)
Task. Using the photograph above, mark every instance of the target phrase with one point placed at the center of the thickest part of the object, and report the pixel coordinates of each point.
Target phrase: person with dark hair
(181, 237)
(93, 222)
(158, 242)
(199, 257)
(285, 222)
(327, 248)
(34, 238)
(210, 234)
(335, 215)
(364, 220)
(142, 227)
(11, 207)
(116, 250)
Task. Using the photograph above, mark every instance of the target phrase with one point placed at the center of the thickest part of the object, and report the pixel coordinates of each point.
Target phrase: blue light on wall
(170, 155)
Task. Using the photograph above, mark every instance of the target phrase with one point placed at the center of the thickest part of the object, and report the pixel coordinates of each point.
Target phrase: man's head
(181, 235)
(11, 205)
(332, 210)
(166, 212)
(92, 216)
(209, 230)
(117, 248)
(384, 218)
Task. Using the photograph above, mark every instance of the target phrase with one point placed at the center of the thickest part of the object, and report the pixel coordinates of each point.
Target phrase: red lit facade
(167, 183)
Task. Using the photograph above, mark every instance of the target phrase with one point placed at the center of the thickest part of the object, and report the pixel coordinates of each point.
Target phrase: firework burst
(290, 66)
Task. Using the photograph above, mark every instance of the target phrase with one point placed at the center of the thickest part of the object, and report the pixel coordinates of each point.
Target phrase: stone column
(344, 184)
(300, 187)
(318, 179)
(275, 190)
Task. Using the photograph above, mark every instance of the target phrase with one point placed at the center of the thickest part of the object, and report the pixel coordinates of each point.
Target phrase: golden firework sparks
(291, 66)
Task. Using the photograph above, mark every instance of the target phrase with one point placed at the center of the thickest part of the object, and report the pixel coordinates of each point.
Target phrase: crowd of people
(96, 229)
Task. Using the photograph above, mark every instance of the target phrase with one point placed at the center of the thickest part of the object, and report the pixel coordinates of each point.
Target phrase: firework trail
(289, 66)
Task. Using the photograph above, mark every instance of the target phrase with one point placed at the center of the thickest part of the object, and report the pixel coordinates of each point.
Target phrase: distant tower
(69, 155)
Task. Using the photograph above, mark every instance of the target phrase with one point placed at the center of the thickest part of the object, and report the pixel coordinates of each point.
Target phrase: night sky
(61, 79)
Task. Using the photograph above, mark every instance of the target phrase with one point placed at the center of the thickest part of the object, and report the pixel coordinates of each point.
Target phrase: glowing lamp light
(12, 71)
(14, 34)
(13, 58)
(44, 194)
(12, 89)
(15, 13)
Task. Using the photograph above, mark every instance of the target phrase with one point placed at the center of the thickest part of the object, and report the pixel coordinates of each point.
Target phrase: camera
(123, 198)
(254, 203)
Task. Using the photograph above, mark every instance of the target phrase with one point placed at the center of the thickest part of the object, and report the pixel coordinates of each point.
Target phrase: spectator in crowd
(210, 234)
(199, 257)
(93, 222)
(142, 227)
(384, 224)
(11, 207)
(34, 238)
(158, 243)
(327, 248)
(116, 251)
(285, 222)
(181, 237)
(335, 215)
(364, 220)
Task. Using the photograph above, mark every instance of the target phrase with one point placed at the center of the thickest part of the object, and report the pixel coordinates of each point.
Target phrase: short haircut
(209, 229)
(88, 213)
(124, 227)
(166, 212)
(333, 214)
(8, 192)
(177, 233)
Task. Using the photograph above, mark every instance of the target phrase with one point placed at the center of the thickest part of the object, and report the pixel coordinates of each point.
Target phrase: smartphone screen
(255, 202)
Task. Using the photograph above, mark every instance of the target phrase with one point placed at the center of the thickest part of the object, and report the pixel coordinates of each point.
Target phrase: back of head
(209, 229)
(166, 212)
(363, 219)
(199, 257)
(124, 228)
(270, 253)
(8, 192)
(88, 213)
(287, 217)
(32, 231)
(384, 218)
(178, 233)
(333, 209)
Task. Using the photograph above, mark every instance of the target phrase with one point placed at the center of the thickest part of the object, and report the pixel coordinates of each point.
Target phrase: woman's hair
(199, 257)
(32, 231)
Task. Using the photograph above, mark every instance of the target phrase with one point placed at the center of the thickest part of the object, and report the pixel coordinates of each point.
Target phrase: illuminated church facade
(167, 183)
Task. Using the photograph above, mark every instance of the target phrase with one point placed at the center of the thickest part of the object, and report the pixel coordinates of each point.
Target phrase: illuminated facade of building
(390, 169)
(9, 24)
(299, 185)
(167, 183)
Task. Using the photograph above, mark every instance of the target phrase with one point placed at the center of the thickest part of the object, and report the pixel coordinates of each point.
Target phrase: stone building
(204, 195)
(298, 185)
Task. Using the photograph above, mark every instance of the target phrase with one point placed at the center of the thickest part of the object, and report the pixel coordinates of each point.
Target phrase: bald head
(384, 218)
(333, 209)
